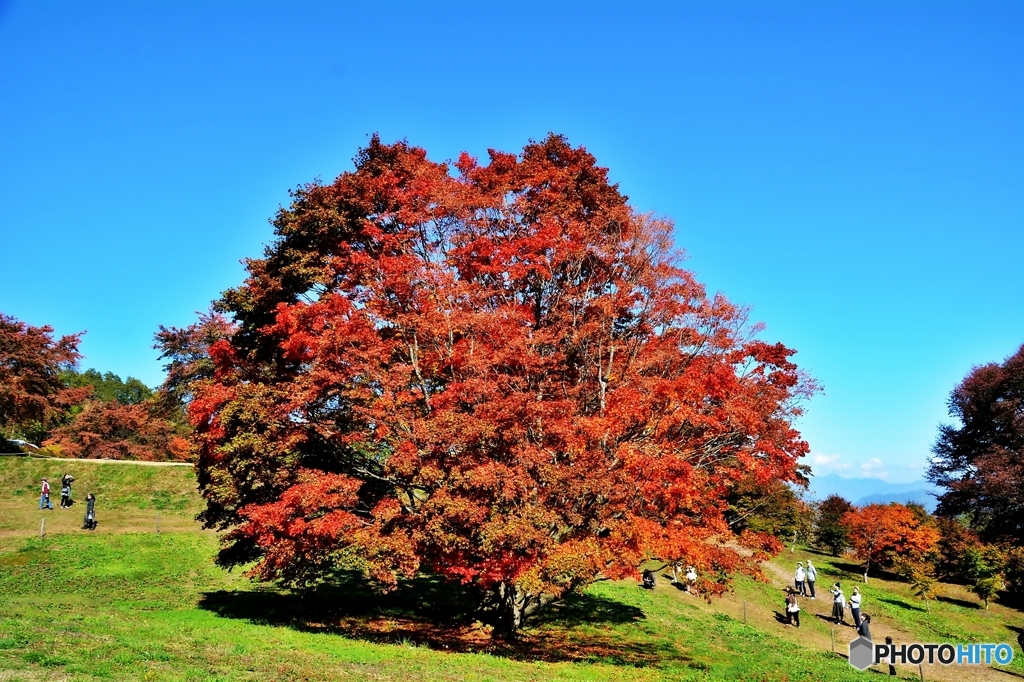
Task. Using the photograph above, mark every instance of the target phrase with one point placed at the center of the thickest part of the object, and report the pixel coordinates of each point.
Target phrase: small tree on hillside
(829, 529)
(956, 542)
(986, 588)
(984, 565)
(883, 534)
(1013, 573)
(921, 577)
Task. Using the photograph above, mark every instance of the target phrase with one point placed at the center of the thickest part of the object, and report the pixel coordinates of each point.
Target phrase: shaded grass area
(146, 606)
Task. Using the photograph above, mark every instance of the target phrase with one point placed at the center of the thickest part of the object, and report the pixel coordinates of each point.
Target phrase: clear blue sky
(854, 173)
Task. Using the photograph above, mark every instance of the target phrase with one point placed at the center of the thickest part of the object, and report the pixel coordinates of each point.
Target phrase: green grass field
(128, 603)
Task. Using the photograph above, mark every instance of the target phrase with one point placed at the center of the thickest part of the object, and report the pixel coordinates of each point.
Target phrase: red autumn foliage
(883, 534)
(496, 373)
(187, 351)
(31, 361)
(112, 430)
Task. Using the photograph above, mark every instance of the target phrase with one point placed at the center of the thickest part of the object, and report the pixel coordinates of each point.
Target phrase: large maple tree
(980, 462)
(497, 373)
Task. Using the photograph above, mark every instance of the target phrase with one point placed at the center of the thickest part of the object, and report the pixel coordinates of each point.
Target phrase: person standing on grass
(892, 668)
(864, 629)
(855, 606)
(838, 604)
(90, 513)
(799, 578)
(792, 607)
(691, 578)
(44, 496)
(812, 575)
(65, 490)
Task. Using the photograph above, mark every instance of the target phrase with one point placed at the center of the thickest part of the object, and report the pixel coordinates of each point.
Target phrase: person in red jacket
(44, 497)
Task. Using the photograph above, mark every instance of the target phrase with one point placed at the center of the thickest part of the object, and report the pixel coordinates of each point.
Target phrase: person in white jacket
(855, 600)
(799, 578)
(812, 575)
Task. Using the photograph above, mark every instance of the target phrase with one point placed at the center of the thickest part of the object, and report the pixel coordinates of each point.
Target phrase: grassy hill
(127, 603)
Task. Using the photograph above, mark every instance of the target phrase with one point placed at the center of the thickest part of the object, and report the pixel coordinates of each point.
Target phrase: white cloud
(874, 468)
(822, 465)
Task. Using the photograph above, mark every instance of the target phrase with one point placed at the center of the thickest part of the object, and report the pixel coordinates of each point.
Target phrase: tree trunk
(509, 614)
(507, 607)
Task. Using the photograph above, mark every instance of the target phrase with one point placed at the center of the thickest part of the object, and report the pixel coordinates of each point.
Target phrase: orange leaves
(881, 534)
(111, 430)
(506, 370)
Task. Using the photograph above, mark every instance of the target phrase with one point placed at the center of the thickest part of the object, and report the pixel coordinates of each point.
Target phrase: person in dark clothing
(864, 630)
(838, 604)
(65, 490)
(90, 513)
(648, 577)
(792, 608)
(892, 668)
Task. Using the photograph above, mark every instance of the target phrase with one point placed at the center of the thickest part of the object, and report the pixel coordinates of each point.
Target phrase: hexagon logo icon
(861, 653)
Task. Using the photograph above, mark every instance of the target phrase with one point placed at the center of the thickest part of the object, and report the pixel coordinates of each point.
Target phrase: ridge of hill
(861, 491)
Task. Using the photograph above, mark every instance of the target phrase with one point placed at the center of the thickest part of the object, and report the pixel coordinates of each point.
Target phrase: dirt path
(817, 630)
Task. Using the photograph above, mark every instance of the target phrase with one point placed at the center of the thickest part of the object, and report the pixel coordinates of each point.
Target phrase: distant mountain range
(861, 491)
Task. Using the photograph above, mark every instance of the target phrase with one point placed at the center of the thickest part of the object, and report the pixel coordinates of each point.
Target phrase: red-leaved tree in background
(32, 394)
(112, 430)
(494, 373)
(883, 535)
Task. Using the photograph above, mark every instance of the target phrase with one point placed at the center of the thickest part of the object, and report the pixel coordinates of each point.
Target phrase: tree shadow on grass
(1008, 672)
(843, 569)
(852, 572)
(440, 615)
(959, 602)
(900, 603)
(832, 621)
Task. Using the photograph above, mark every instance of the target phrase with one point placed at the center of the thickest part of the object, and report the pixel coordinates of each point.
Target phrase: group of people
(690, 575)
(839, 606)
(89, 523)
(804, 580)
(688, 586)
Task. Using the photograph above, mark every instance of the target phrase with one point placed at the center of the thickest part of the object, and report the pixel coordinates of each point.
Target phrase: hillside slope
(127, 603)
